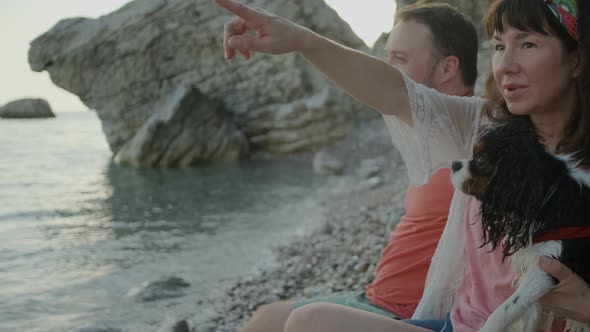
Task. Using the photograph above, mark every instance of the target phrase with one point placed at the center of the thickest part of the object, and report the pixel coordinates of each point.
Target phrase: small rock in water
(161, 289)
(27, 109)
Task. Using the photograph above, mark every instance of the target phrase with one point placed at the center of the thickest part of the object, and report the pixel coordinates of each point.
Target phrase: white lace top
(443, 130)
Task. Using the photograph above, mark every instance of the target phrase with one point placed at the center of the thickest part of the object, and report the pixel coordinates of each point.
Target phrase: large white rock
(127, 64)
(185, 128)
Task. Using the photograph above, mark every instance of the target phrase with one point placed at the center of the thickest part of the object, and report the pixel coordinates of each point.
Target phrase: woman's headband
(566, 11)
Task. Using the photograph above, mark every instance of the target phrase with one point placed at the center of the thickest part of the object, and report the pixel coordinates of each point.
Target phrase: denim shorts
(438, 325)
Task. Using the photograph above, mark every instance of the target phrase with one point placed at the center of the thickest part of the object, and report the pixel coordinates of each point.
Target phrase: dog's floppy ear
(518, 187)
(509, 205)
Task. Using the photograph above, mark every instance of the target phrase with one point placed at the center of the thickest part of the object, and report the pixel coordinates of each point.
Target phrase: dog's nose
(456, 166)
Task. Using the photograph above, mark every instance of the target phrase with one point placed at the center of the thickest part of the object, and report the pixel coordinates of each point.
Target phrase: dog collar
(565, 233)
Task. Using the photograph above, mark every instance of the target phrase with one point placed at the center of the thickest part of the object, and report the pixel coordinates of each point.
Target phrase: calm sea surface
(80, 237)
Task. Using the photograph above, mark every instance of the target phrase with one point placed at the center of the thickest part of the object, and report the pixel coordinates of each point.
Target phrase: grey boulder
(129, 64)
(26, 109)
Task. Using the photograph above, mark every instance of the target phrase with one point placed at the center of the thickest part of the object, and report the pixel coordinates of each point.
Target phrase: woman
(540, 71)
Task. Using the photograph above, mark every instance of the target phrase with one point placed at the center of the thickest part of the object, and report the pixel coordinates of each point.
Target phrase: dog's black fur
(530, 192)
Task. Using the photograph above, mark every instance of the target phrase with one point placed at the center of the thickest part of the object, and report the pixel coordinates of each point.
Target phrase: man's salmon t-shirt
(401, 274)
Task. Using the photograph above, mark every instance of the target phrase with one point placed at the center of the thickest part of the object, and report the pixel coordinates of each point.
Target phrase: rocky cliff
(154, 72)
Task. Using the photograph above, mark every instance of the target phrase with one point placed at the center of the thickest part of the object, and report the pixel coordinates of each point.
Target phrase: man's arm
(366, 78)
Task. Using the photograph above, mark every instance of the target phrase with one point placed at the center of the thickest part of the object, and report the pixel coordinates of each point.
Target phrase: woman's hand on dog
(571, 297)
(274, 34)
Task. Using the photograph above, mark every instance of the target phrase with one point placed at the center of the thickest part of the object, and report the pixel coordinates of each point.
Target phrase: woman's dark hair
(527, 15)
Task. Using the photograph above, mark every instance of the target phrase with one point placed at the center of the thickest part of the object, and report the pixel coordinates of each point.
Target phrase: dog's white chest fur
(528, 258)
(521, 312)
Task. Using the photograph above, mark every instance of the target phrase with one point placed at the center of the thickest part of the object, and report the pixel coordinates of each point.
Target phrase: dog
(533, 204)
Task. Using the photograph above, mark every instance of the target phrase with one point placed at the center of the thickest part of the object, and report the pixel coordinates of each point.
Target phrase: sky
(21, 21)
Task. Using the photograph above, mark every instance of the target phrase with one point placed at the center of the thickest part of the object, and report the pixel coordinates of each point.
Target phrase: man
(437, 46)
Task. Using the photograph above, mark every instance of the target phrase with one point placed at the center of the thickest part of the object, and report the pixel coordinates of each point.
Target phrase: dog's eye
(480, 162)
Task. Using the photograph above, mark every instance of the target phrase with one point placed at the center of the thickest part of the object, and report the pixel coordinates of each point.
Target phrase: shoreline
(341, 254)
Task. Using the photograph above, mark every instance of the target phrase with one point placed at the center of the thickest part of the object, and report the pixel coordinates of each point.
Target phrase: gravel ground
(340, 255)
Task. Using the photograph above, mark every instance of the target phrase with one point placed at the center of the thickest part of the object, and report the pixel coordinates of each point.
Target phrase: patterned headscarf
(566, 11)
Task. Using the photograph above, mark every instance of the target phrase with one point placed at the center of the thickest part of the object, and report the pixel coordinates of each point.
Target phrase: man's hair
(453, 33)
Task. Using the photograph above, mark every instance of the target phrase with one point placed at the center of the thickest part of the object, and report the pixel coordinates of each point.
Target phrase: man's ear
(448, 68)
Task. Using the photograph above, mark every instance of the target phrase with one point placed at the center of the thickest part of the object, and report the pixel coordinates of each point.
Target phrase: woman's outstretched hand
(274, 34)
(571, 297)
